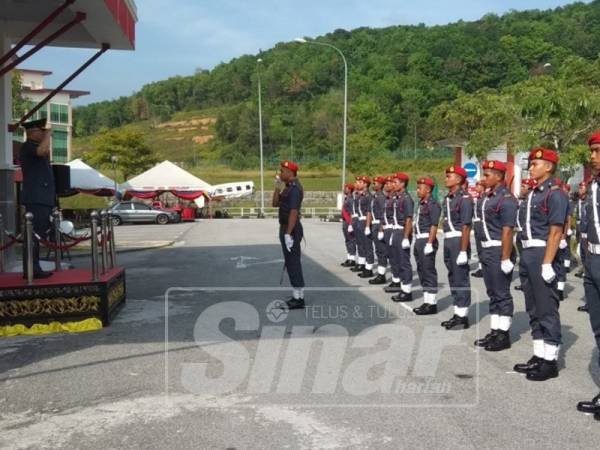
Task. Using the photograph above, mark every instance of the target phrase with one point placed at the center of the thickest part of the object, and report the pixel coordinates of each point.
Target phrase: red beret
(401, 176)
(594, 139)
(545, 154)
(389, 179)
(290, 165)
(380, 180)
(427, 181)
(349, 186)
(496, 165)
(458, 170)
(363, 178)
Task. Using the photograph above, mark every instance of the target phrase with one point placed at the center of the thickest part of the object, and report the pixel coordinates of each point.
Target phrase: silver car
(134, 212)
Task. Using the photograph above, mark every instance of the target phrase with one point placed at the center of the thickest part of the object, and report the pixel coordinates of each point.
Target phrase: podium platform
(66, 296)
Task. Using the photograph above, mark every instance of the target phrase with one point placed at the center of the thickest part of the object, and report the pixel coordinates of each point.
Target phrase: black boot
(477, 274)
(357, 268)
(583, 308)
(348, 263)
(544, 371)
(456, 321)
(580, 274)
(379, 279)
(530, 365)
(561, 295)
(426, 309)
(295, 303)
(590, 407)
(501, 341)
(393, 288)
(486, 339)
(367, 273)
(403, 297)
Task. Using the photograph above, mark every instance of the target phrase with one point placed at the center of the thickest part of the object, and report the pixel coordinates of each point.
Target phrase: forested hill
(396, 76)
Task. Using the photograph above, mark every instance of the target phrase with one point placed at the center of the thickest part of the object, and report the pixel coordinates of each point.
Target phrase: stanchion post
(2, 243)
(103, 242)
(94, 217)
(29, 244)
(113, 250)
(57, 241)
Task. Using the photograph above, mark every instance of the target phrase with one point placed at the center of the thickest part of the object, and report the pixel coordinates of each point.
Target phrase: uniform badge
(491, 164)
(539, 154)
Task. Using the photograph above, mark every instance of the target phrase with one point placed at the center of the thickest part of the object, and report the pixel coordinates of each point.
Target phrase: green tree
(129, 146)
(19, 102)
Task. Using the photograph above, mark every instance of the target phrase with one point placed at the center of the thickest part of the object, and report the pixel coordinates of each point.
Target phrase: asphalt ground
(198, 359)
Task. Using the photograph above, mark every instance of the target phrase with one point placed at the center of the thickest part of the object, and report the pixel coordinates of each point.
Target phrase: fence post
(57, 241)
(29, 244)
(2, 242)
(94, 218)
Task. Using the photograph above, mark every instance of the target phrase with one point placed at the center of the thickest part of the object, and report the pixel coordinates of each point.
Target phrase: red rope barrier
(11, 241)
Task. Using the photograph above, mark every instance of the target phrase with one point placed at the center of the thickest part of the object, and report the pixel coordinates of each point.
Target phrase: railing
(324, 213)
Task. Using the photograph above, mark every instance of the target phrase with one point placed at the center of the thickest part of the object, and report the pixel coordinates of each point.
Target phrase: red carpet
(76, 276)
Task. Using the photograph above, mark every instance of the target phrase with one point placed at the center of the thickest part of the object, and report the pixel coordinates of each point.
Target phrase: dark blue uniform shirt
(499, 210)
(38, 178)
(458, 207)
(428, 214)
(547, 205)
(290, 198)
(404, 206)
(378, 205)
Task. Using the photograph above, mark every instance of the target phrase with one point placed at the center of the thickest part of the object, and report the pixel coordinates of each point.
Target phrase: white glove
(289, 242)
(350, 229)
(277, 181)
(569, 232)
(462, 259)
(563, 244)
(368, 231)
(506, 266)
(405, 243)
(380, 236)
(548, 273)
(428, 250)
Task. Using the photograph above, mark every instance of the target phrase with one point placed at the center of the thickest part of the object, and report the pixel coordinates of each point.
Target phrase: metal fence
(324, 213)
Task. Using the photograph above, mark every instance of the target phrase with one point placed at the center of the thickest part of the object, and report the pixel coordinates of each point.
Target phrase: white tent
(166, 176)
(85, 178)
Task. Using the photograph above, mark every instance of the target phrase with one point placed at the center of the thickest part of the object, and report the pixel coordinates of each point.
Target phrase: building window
(59, 113)
(42, 113)
(60, 150)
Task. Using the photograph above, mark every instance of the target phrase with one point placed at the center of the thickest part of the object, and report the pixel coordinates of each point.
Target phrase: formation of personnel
(381, 226)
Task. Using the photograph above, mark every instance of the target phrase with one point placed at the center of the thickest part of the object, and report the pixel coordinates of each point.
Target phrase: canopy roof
(84, 177)
(166, 176)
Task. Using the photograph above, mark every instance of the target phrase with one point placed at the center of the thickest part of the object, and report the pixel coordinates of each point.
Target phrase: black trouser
(349, 239)
(381, 247)
(403, 255)
(591, 284)
(541, 298)
(392, 253)
(497, 283)
(458, 276)
(426, 266)
(293, 264)
(41, 225)
(364, 243)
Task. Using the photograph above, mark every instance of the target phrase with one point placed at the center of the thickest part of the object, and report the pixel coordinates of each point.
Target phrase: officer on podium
(38, 192)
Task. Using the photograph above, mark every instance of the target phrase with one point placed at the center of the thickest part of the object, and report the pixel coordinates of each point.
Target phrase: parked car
(135, 212)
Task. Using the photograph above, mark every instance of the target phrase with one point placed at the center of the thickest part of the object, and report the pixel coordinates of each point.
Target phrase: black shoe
(348, 263)
(530, 365)
(477, 274)
(580, 274)
(426, 309)
(544, 371)
(518, 287)
(295, 303)
(39, 275)
(486, 339)
(379, 279)
(403, 297)
(583, 308)
(561, 295)
(393, 288)
(357, 268)
(366, 274)
(456, 321)
(501, 341)
(591, 407)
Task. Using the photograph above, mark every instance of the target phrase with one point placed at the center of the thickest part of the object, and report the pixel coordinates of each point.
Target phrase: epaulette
(466, 196)
(507, 195)
(555, 187)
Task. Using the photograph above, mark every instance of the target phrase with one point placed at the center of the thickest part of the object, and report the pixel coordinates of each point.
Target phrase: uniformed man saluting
(426, 245)
(289, 202)
(545, 215)
(458, 214)
(498, 218)
(38, 192)
(591, 280)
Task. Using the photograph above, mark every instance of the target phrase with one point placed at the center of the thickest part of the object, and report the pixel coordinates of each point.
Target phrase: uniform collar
(424, 202)
(545, 185)
(498, 190)
(458, 193)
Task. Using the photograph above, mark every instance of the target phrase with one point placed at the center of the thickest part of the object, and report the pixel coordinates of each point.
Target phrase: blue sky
(174, 37)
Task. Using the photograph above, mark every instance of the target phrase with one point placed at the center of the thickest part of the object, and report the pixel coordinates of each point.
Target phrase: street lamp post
(113, 160)
(344, 148)
(260, 134)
